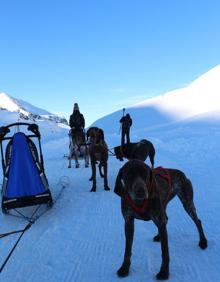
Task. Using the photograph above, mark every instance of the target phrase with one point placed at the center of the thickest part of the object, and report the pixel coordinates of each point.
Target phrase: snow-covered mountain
(200, 97)
(27, 111)
(53, 128)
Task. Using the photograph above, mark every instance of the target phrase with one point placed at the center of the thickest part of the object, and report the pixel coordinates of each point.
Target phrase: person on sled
(126, 123)
(76, 121)
(77, 145)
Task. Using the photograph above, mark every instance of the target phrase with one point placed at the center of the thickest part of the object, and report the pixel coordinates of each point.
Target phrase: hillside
(200, 97)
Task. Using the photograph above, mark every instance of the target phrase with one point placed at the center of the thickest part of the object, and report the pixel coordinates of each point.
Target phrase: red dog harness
(163, 172)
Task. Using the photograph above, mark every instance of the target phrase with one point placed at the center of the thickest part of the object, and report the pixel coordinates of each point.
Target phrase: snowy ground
(82, 237)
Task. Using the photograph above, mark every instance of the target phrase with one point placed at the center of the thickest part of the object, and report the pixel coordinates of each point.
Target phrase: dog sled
(24, 180)
(25, 185)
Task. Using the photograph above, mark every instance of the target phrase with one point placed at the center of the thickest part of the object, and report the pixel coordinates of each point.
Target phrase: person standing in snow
(126, 123)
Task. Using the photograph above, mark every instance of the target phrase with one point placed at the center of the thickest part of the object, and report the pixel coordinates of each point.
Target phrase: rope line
(64, 182)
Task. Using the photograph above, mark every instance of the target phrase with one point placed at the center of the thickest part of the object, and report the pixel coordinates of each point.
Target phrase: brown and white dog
(77, 147)
(145, 194)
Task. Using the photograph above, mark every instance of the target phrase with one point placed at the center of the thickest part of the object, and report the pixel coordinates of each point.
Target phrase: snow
(8, 103)
(16, 105)
(27, 110)
(202, 95)
(81, 238)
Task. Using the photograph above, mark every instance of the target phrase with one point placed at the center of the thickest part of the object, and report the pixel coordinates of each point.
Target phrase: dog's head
(118, 153)
(134, 179)
(95, 135)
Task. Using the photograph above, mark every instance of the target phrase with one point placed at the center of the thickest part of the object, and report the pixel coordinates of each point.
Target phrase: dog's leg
(157, 237)
(86, 157)
(123, 271)
(90, 179)
(191, 210)
(70, 156)
(163, 274)
(106, 177)
(77, 162)
(100, 170)
(76, 157)
(93, 164)
(186, 197)
(69, 166)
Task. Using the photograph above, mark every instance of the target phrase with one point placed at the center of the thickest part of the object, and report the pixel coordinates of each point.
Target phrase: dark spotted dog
(145, 194)
(140, 150)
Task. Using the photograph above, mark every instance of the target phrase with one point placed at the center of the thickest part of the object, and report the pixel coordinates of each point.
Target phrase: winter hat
(76, 107)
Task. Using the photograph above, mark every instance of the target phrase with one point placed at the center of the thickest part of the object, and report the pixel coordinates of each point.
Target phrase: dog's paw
(162, 275)
(203, 244)
(93, 189)
(123, 271)
(156, 238)
(107, 188)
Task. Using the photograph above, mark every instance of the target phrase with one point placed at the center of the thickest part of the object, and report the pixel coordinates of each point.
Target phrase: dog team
(144, 191)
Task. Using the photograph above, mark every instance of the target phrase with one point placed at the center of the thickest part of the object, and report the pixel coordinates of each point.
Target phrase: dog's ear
(119, 185)
(102, 137)
(87, 134)
(150, 175)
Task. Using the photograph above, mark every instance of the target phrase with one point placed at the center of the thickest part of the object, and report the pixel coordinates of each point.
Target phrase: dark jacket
(77, 120)
(126, 122)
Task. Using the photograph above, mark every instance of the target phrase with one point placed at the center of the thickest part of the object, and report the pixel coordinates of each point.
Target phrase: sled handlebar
(31, 127)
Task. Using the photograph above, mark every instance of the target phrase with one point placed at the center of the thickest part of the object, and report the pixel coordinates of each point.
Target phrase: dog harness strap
(136, 208)
(164, 172)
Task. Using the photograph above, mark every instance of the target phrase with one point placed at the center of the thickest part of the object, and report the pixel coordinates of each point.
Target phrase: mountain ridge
(26, 110)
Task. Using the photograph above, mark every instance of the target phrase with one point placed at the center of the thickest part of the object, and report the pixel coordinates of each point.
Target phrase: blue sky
(104, 54)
